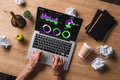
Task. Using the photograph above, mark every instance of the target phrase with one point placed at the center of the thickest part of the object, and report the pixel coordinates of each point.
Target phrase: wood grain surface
(13, 60)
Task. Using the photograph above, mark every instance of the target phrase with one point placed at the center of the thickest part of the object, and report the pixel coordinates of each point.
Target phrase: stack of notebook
(112, 1)
(101, 23)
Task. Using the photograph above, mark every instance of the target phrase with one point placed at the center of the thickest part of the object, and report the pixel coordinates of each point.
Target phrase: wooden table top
(13, 60)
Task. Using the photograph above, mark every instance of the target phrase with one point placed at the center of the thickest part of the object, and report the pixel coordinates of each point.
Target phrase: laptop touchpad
(46, 59)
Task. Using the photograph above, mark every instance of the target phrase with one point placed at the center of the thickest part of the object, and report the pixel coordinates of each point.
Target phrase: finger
(40, 53)
(60, 60)
(63, 60)
(53, 59)
(56, 60)
(37, 54)
(33, 51)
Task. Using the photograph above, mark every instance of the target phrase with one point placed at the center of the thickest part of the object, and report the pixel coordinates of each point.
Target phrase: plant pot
(27, 14)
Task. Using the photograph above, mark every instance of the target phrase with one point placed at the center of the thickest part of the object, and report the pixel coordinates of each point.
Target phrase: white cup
(85, 51)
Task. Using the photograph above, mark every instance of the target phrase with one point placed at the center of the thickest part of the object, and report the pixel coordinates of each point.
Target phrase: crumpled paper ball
(71, 11)
(3, 41)
(20, 2)
(105, 50)
(98, 63)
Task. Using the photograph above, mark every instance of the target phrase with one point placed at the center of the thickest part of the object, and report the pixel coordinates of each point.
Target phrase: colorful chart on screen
(57, 24)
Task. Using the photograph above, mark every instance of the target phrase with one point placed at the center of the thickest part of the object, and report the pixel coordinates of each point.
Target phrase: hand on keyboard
(34, 59)
(57, 66)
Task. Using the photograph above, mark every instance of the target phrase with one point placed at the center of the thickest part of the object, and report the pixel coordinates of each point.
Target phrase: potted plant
(27, 14)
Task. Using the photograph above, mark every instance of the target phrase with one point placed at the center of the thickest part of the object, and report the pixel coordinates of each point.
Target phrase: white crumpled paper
(98, 63)
(3, 41)
(106, 50)
(71, 11)
(20, 2)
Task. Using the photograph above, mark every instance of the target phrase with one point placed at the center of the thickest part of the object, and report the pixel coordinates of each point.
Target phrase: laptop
(55, 33)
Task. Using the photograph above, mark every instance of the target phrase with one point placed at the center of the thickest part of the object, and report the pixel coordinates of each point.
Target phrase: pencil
(15, 18)
(95, 22)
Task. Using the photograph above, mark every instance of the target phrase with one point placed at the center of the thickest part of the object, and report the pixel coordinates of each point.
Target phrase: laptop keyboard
(52, 45)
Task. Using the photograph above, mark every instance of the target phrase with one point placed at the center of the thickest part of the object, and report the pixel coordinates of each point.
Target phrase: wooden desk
(13, 61)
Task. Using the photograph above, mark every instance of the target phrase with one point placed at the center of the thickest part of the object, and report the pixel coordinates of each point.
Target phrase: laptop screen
(57, 24)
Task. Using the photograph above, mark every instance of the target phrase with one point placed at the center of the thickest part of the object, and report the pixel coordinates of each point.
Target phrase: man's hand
(57, 66)
(34, 59)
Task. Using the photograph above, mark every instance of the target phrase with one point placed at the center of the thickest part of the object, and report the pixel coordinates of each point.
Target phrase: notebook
(101, 23)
